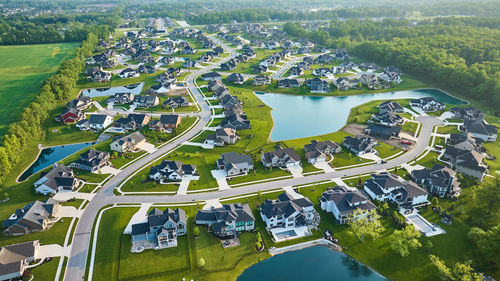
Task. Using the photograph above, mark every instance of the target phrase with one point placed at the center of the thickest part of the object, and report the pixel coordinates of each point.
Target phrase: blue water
(316, 263)
(307, 116)
(52, 155)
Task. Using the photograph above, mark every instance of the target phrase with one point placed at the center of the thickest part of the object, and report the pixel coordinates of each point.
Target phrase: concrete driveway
(296, 172)
(53, 250)
(323, 166)
(139, 217)
(70, 212)
(220, 176)
(148, 147)
(65, 196)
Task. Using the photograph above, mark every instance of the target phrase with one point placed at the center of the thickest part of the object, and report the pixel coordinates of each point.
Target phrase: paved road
(78, 258)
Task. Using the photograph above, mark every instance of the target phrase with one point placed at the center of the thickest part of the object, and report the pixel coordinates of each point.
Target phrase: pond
(52, 155)
(307, 116)
(315, 263)
(102, 92)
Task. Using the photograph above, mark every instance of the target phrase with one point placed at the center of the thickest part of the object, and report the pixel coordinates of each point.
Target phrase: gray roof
(284, 205)
(236, 158)
(282, 153)
(346, 200)
(228, 212)
(97, 118)
(12, 256)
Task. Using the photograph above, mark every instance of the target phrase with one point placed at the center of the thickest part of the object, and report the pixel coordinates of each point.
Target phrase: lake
(102, 92)
(52, 155)
(315, 263)
(307, 116)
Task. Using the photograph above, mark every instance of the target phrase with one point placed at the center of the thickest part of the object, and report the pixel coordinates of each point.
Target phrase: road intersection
(77, 262)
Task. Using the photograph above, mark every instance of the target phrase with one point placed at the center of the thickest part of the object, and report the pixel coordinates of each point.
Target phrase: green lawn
(429, 160)
(46, 271)
(410, 127)
(384, 150)
(23, 68)
(448, 130)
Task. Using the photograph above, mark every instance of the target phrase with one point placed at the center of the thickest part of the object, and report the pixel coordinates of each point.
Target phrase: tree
(402, 241)
(487, 194)
(365, 223)
(487, 242)
(459, 271)
(201, 262)
(435, 202)
(196, 231)
(258, 245)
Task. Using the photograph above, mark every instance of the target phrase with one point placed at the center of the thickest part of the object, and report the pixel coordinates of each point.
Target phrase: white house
(390, 187)
(341, 202)
(100, 121)
(287, 212)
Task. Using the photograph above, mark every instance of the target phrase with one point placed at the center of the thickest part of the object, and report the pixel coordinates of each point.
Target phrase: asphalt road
(77, 262)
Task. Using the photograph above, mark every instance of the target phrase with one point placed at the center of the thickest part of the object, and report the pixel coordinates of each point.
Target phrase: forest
(454, 54)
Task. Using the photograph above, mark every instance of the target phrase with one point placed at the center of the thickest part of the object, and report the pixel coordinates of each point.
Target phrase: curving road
(75, 270)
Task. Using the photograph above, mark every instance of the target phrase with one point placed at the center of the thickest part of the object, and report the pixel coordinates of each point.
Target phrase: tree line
(464, 58)
(15, 29)
(55, 89)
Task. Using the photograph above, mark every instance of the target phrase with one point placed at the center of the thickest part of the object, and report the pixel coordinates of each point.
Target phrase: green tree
(365, 223)
(196, 231)
(487, 242)
(201, 262)
(487, 195)
(435, 202)
(459, 271)
(405, 240)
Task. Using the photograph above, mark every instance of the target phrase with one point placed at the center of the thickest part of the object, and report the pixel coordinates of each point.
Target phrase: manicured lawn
(448, 130)
(55, 235)
(246, 67)
(384, 150)
(429, 160)
(23, 68)
(410, 127)
(46, 271)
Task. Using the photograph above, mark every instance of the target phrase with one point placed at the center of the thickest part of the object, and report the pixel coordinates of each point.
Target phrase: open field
(22, 71)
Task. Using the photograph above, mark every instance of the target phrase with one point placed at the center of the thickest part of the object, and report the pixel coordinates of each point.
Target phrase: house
(71, 115)
(34, 217)
(235, 78)
(317, 85)
(359, 145)
(480, 129)
(466, 162)
(427, 104)
(390, 106)
(467, 113)
(439, 180)
(161, 88)
(146, 101)
(260, 80)
(190, 64)
(128, 143)
(121, 98)
(296, 71)
(324, 59)
(169, 171)
(389, 187)
(341, 54)
(133, 121)
(165, 78)
(466, 141)
(211, 76)
(146, 69)
(176, 102)
(60, 178)
(80, 103)
(91, 160)
(288, 83)
(370, 80)
(323, 71)
(389, 118)
(281, 157)
(99, 122)
(342, 202)
(222, 136)
(15, 259)
(188, 50)
(83, 125)
(260, 68)
(128, 73)
(160, 230)
(236, 121)
(166, 122)
(228, 66)
(227, 221)
(344, 83)
(235, 164)
(392, 68)
(317, 152)
(287, 212)
(385, 132)
(391, 77)
(100, 76)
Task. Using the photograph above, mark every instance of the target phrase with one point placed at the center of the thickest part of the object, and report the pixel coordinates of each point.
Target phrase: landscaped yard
(448, 130)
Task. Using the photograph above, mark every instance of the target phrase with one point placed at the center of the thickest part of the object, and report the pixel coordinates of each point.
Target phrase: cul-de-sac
(222, 140)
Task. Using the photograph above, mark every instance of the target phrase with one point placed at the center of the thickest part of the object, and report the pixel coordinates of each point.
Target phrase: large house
(317, 152)
(389, 187)
(281, 158)
(121, 98)
(261, 80)
(99, 122)
(14, 259)
(480, 129)
(146, 101)
(227, 221)
(34, 217)
(383, 131)
(167, 122)
(391, 106)
(317, 85)
(128, 143)
(92, 160)
(466, 141)
(427, 104)
(439, 180)
(287, 212)
(235, 164)
(60, 178)
(342, 202)
(176, 102)
(236, 121)
(359, 145)
(169, 171)
(161, 229)
(133, 121)
(222, 136)
(466, 162)
(71, 115)
(467, 113)
(389, 118)
(211, 76)
(80, 103)
(288, 83)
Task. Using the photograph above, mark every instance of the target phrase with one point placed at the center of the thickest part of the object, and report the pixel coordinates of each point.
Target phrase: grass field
(22, 71)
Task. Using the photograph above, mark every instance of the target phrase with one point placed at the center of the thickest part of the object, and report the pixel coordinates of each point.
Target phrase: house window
(250, 223)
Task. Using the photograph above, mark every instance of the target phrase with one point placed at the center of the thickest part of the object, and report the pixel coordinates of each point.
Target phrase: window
(250, 223)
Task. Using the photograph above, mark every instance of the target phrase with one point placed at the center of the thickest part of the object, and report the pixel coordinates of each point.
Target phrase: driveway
(139, 217)
(148, 147)
(110, 170)
(70, 212)
(52, 250)
(296, 172)
(323, 166)
(65, 196)
(220, 176)
(371, 156)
